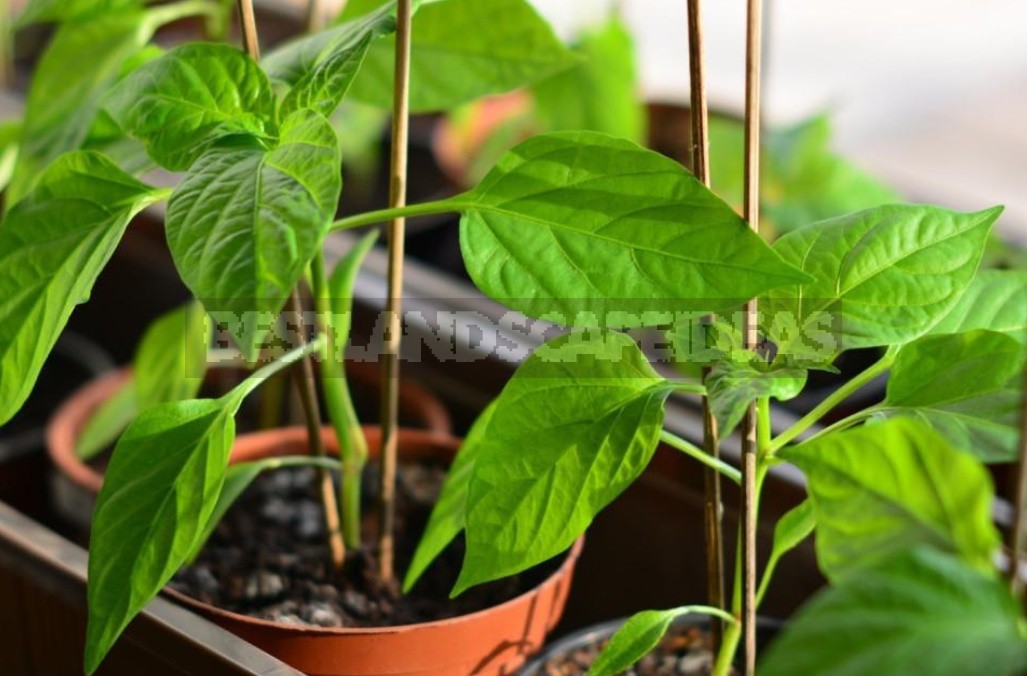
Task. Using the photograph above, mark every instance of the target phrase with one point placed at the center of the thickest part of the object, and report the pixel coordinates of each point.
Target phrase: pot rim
(292, 434)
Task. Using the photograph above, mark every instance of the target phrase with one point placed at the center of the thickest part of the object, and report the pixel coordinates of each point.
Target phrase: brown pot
(497, 640)
(75, 497)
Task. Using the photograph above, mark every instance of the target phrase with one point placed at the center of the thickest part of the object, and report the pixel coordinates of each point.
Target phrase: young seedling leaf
(883, 276)
(995, 300)
(172, 356)
(921, 612)
(639, 636)
(340, 286)
(581, 227)
(885, 487)
(732, 385)
(576, 424)
(462, 50)
(792, 528)
(53, 246)
(180, 103)
(601, 92)
(967, 386)
(245, 222)
(449, 514)
(81, 62)
(159, 493)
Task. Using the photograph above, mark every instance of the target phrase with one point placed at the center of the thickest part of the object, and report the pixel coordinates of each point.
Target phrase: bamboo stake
(1019, 504)
(751, 209)
(314, 20)
(712, 517)
(308, 392)
(394, 304)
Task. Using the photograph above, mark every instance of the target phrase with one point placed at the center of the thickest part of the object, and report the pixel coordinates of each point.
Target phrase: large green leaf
(882, 277)
(462, 50)
(53, 245)
(576, 424)
(160, 492)
(82, 61)
(246, 221)
(574, 226)
(922, 612)
(732, 385)
(968, 386)
(189, 97)
(449, 514)
(601, 92)
(995, 300)
(886, 487)
(169, 366)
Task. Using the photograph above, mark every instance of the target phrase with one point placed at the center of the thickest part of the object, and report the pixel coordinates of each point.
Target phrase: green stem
(706, 610)
(733, 635)
(322, 462)
(352, 444)
(763, 426)
(384, 215)
(844, 423)
(701, 455)
(832, 400)
(246, 387)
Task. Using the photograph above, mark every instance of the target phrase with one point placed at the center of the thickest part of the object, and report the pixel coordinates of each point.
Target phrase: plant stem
(844, 423)
(308, 398)
(249, 29)
(715, 464)
(444, 206)
(1019, 504)
(352, 444)
(393, 306)
(712, 501)
(706, 610)
(832, 400)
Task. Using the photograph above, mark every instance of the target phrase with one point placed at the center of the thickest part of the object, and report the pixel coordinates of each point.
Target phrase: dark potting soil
(684, 651)
(268, 559)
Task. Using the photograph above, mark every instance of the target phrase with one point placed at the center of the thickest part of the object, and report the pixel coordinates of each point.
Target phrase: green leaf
(159, 495)
(10, 132)
(159, 492)
(194, 94)
(449, 514)
(340, 286)
(601, 92)
(82, 60)
(172, 357)
(324, 85)
(922, 612)
(462, 50)
(169, 366)
(967, 386)
(576, 424)
(732, 385)
(882, 277)
(53, 245)
(882, 488)
(792, 528)
(574, 226)
(995, 300)
(246, 221)
(639, 636)
(44, 11)
(106, 423)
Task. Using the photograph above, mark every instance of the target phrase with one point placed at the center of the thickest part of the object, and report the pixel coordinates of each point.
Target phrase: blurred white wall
(931, 94)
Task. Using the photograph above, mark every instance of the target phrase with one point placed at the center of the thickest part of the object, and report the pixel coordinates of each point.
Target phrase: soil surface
(684, 651)
(268, 559)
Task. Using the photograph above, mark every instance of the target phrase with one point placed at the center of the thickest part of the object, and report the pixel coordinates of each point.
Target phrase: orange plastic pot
(493, 641)
(83, 481)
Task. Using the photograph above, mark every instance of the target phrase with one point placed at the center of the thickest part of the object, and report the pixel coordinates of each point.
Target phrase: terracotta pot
(497, 640)
(78, 483)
